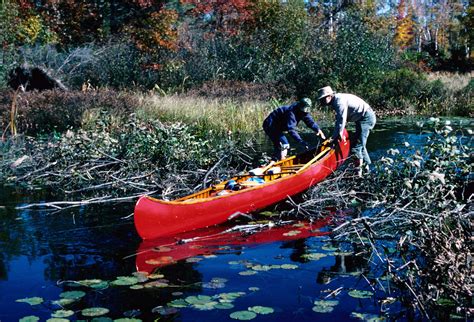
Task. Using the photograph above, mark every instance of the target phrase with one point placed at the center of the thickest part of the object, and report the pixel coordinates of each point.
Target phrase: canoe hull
(155, 218)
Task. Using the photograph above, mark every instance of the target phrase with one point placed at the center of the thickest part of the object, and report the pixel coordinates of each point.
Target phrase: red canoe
(215, 205)
(163, 251)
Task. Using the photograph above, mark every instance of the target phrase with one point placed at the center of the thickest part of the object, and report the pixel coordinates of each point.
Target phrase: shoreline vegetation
(168, 97)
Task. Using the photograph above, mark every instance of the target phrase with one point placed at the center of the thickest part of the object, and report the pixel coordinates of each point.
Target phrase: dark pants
(361, 134)
(280, 142)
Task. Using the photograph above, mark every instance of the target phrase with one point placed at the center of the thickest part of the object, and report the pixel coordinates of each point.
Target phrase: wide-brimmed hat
(306, 102)
(325, 91)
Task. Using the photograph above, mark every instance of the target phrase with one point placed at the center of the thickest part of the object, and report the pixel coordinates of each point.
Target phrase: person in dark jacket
(286, 119)
(349, 107)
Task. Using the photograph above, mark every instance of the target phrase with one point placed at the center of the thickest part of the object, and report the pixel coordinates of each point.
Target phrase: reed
(452, 81)
(219, 115)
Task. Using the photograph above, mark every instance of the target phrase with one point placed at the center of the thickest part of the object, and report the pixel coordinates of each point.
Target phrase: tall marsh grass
(219, 115)
(452, 81)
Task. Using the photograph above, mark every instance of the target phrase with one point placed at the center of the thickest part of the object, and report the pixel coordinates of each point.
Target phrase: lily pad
(218, 280)
(163, 260)
(137, 287)
(213, 285)
(243, 315)
(31, 300)
(29, 318)
(358, 294)
(205, 306)
(102, 319)
(64, 302)
(261, 268)
(314, 256)
(323, 309)
(162, 310)
(155, 276)
(90, 282)
(248, 273)
(125, 281)
(326, 303)
(368, 317)
(229, 296)
(261, 309)
(72, 295)
(254, 289)
(209, 256)
(62, 313)
(292, 233)
(329, 248)
(224, 306)
(156, 284)
(289, 266)
(179, 303)
(95, 311)
(193, 260)
(342, 253)
(100, 286)
(127, 320)
(199, 299)
(324, 306)
(57, 320)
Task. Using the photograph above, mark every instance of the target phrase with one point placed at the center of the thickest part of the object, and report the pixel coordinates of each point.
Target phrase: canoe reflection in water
(163, 251)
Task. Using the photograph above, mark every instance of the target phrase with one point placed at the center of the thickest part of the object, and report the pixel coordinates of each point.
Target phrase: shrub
(58, 111)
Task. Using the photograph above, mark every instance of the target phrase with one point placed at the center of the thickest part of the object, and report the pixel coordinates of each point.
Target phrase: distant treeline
(381, 51)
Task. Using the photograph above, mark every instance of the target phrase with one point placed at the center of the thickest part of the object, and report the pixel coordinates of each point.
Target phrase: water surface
(43, 251)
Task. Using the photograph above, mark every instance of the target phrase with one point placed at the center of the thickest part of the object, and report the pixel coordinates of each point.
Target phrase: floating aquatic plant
(361, 294)
(261, 309)
(368, 317)
(243, 315)
(164, 310)
(314, 256)
(202, 302)
(179, 303)
(324, 306)
(289, 266)
(247, 273)
(94, 311)
(29, 318)
(64, 302)
(124, 281)
(72, 295)
(292, 233)
(224, 306)
(62, 313)
(163, 260)
(156, 284)
(31, 300)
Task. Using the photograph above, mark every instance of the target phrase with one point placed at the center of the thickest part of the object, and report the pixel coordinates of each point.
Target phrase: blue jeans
(361, 134)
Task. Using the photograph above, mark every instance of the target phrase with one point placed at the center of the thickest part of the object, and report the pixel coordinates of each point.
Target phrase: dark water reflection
(41, 249)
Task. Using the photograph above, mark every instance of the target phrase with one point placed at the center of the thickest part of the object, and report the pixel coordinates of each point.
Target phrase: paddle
(261, 170)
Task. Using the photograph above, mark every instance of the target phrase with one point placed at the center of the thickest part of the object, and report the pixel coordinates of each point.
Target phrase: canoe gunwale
(191, 201)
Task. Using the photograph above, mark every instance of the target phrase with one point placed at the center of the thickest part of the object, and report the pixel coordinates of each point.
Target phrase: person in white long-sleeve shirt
(349, 107)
